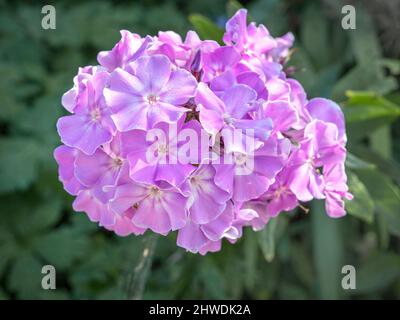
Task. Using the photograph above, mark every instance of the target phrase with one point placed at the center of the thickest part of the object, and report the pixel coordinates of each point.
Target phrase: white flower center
(162, 149)
(95, 114)
(155, 192)
(117, 162)
(240, 158)
(228, 119)
(195, 180)
(152, 98)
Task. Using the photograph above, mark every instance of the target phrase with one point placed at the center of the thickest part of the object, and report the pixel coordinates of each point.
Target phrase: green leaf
(25, 277)
(29, 213)
(291, 291)
(377, 273)
(387, 166)
(213, 280)
(266, 239)
(302, 264)
(365, 106)
(365, 43)
(364, 77)
(353, 162)
(40, 120)
(19, 160)
(386, 196)
(362, 205)
(62, 247)
(206, 28)
(250, 259)
(314, 36)
(392, 64)
(103, 265)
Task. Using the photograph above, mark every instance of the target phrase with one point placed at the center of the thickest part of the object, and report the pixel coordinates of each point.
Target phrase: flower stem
(138, 277)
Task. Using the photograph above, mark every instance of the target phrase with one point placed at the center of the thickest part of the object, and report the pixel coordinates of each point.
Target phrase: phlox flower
(185, 134)
(65, 157)
(90, 126)
(335, 190)
(156, 155)
(207, 237)
(159, 207)
(206, 200)
(252, 40)
(250, 173)
(129, 48)
(321, 147)
(148, 91)
(101, 170)
(231, 110)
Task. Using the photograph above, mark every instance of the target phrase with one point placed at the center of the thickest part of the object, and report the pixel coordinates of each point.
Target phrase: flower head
(170, 134)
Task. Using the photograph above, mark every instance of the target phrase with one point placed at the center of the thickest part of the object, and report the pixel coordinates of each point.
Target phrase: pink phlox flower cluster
(153, 84)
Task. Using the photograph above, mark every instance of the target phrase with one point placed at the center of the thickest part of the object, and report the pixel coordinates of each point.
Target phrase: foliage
(298, 256)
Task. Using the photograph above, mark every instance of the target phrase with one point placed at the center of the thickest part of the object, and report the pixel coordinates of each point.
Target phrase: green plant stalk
(381, 142)
(327, 252)
(137, 279)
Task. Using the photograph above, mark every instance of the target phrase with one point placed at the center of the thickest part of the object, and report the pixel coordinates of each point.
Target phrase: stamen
(152, 98)
(155, 191)
(95, 114)
(240, 158)
(306, 210)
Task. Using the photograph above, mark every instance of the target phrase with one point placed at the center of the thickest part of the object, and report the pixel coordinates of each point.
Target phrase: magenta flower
(280, 197)
(217, 62)
(207, 236)
(250, 174)
(158, 159)
(90, 126)
(65, 157)
(252, 40)
(101, 170)
(327, 111)
(206, 201)
(72, 97)
(147, 92)
(99, 212)
(159, 207)
(335, 190)
(321, 147)
(216, 113)
(252, 213)
(129, 48)
(196, 137)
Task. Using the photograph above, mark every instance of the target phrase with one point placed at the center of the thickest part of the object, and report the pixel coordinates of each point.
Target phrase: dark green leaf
(62, 247)
(377, 273)
(353, 162)
(206, 28)
(266, 239)
(362, 205)
(19, 160)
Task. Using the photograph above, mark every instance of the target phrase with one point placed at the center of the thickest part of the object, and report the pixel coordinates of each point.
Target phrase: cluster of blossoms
(126, 106)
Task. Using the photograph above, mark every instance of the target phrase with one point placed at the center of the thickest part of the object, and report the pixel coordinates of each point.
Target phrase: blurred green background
(298, 256)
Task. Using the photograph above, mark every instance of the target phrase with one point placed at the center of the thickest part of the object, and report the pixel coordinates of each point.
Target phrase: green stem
(328, 252)
(381, 142)
(138, 277)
